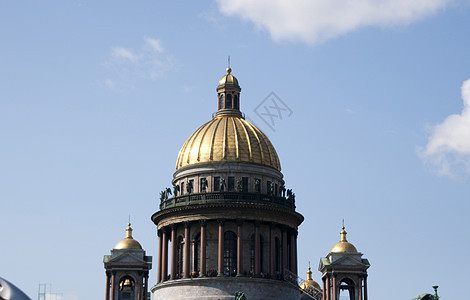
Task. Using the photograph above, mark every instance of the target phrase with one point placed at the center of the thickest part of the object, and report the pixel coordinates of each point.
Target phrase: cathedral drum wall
(224, 289)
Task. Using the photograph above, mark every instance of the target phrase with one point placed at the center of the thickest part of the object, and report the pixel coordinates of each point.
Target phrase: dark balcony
(228, 197)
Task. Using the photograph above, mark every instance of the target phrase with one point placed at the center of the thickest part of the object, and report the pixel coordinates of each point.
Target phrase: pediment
(126, 258)
(347, 261)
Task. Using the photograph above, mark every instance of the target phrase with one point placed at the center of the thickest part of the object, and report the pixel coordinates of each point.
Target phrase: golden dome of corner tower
(343, 245)
(228, 136)
(307, 284)
(128, 242)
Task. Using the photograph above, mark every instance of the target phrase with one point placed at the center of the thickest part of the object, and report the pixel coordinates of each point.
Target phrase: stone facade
(225, 289)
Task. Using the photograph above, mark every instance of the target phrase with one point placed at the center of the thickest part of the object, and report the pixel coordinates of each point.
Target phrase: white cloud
(148, 62)
(120, 52)
(155, 44)
(448, 147)
(314, 21)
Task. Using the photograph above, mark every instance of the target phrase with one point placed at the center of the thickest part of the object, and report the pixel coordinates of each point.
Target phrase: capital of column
(221, 221)
(203, 222)
(257, 223)
(240, 222)
(186, 224)
(272, 225)
(173, 226)
(164, 230)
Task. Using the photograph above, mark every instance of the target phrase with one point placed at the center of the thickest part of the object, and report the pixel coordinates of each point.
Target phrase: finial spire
(228, 65)
(129, 230)
(343, 233)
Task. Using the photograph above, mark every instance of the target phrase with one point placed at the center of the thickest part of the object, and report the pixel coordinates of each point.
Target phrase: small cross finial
(129, 220)
(229, 61)
(343, 224)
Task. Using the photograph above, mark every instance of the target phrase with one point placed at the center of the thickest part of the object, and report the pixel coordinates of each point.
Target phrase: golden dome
(343, 245)
(309, 282)
(228, 137)
(228, 79)
(128, 242)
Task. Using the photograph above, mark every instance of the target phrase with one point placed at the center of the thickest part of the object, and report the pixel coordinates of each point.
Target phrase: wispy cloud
(448, 147)
(155, 44)
(120, 52)
(315, 21)
(148, 62)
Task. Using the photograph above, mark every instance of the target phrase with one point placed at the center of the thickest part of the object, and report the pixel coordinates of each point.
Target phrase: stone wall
(224, 288)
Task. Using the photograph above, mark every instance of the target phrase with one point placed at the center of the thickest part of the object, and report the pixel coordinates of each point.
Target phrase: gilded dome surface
(309, 282)
(228, 138)
(228, 79)
(128, 242)
(343, 245)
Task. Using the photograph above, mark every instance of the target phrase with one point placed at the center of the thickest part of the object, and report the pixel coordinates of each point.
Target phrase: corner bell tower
(127, 270)
(344, 271)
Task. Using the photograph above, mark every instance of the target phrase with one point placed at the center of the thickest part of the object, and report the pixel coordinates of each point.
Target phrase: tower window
(245, 184)
(230, 253)
(182, 188)
(221, 101)
(235, 102)
(216, 187)
(231, 183)
(229, 101)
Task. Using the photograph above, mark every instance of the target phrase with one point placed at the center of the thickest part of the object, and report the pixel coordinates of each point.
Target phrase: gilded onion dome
(309, 282)
(128, 242)
(228, 137)
(343, 245)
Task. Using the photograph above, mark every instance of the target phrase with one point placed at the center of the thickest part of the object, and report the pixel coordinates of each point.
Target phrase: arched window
(229, 101)
(179, 262)
(126, 288)
(346, 289)
(277, 251)
(197, 253)
(221, 101)
(230, 253)
(126, 284)
(235, 102)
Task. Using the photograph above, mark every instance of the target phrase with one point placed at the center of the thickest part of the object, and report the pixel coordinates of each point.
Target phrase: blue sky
(96, 100)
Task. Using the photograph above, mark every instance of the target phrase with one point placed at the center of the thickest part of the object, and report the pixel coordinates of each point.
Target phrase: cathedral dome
(228, 137)
(128, 242)
(343, 245)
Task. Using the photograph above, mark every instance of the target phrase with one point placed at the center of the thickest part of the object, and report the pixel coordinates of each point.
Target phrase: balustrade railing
(226, 197)
(307, 289)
